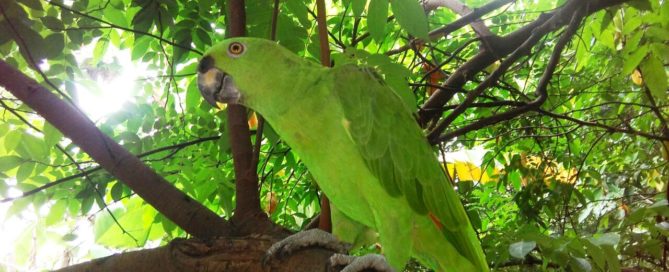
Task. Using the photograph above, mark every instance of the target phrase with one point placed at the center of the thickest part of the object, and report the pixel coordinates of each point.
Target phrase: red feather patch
(435, 220)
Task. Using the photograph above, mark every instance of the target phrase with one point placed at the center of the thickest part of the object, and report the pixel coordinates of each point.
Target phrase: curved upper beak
(214, 84)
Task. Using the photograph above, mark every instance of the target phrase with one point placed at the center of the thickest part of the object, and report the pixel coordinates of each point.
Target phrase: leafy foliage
(578, 183)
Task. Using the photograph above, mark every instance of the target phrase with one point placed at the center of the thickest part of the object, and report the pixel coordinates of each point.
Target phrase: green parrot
(359, 140)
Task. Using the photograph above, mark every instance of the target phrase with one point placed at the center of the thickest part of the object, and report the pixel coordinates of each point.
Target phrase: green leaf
(411, 16)
(117, 191)
(117, 4)
(69, 237)
(474, 216)
(115, 16)
(76, 36)
(661, 50)
(193, 96)
(633, 60)
(582, 50)
(358, 6)
(640, 4)
(376, 19)
(144, 19)
(33, 4)
(86, 204)
(655, 77)
(140, 47)
(51, 135)
(606, 20)
(224, 142)
(34, 147)
(203, 37)
(13, 139)
(205, 6)
(612, 260)
(595, 253)
(4, 128)
(52, 23)
(166, 21)
(37, 46)
(100, 49)
(297, 8)
(25, 171)
(580, 264)
(9, 162)
(18, 206)
(131, 141)
(56, 212)
(606, 239)
(515, 179)
(521, 249)
(182, 37)
(657, 33)
(55, 44)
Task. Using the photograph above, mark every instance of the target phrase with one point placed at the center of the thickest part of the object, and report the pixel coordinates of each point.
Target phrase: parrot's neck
(290, 85)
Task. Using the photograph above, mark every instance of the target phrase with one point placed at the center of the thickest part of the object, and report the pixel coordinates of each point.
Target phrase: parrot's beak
(215, 85)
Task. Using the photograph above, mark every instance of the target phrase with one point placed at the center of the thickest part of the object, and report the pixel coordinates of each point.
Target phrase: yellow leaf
(637, 78)
(492, 67)
(253, 121)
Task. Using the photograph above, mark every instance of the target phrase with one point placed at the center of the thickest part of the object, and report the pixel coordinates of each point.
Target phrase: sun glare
(113, 93)
(112, 82)
(102, 88)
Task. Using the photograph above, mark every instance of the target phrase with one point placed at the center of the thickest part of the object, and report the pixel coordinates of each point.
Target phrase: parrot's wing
(394, 147)
(395, 150)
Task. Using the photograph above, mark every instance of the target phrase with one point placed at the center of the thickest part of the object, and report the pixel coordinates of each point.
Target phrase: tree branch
(174, 204)
(325, 220)
(541, 88)
(460, 8)
(247, 210)
(503, 46)
(606, 127)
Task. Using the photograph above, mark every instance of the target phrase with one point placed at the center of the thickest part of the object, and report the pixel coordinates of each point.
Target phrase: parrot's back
(367, 153)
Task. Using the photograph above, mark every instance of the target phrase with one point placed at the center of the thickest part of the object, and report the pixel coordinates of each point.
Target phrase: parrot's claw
(301, 240)
(375, 262)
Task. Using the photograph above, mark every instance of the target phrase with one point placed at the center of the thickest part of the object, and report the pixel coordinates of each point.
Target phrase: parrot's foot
(304, 239)
(374, 262)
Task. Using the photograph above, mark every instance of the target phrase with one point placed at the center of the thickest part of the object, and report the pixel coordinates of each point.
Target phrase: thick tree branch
(247, 200)
(325, 220)
(541, 90)
(504, 46)
(174, 204)
(523, 50)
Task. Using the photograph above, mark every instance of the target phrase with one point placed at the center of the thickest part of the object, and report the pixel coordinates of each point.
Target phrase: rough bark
(248, 217)
(223, 254)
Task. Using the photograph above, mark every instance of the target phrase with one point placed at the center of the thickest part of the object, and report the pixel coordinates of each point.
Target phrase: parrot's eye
(235, 49)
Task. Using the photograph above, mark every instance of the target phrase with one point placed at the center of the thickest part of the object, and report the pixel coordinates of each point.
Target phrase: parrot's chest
(325, 147)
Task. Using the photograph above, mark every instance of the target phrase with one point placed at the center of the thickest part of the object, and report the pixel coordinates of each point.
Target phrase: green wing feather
(397, 153)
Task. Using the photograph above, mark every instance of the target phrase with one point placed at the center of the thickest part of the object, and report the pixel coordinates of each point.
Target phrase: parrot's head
(238, 69)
